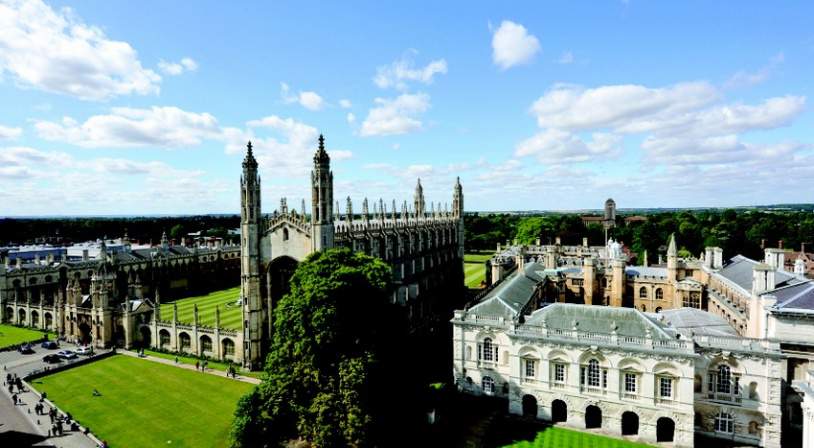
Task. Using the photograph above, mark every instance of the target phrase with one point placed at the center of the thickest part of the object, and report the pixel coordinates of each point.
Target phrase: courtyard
(474, 268)
(230, 313)
(11, 335)
(143, 403)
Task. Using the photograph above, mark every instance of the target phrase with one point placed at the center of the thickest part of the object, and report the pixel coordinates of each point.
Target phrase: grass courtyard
(145, 403)
(11, 335)
(474, 269)
(556, 437)
(230, 314)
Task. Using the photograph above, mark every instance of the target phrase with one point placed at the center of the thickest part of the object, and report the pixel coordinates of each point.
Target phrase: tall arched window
(488, 385)
(723, 382)
(592, 374)
(724, 423)
(487, 350)
(642, 292)
(659, 294)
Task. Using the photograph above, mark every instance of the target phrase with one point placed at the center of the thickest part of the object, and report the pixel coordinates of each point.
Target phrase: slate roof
(599, 319)
(648, 271)
(739, 270)
(510, 297)
(697, 322)
(799, 296)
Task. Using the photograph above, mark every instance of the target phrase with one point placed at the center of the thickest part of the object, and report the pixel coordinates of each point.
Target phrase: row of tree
(737, 232)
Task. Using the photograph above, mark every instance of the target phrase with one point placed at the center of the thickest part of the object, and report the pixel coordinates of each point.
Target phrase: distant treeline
(736, 231)
(141, 229)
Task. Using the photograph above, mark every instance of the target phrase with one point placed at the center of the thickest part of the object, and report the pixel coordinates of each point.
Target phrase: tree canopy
(333, 360)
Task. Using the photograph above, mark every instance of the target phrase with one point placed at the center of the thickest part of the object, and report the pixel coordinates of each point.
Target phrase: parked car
(66, 354)
(26, 349)
(52, 358)
(84, 350)
(51, 345)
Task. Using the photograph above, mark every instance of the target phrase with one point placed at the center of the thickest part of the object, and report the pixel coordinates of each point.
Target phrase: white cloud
(399, 72)
(513, 45)
(169, 127)
(566, 58)
(554, 146)
(618, 106)
(396, 116)
(177, 68)
(9, 133)
(351, 118)
(345, 104)
(748, 79)
(57, 52)
(309, 100)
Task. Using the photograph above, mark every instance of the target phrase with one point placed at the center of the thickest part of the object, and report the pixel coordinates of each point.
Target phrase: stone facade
(423, 246)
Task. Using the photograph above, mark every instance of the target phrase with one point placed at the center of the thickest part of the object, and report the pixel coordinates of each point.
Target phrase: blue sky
(144, 107)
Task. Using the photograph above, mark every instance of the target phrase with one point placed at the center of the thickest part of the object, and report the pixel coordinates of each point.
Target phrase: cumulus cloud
(309, 100)
(513, 45)
(56, 52)
(400, 72)
(351, 118)
(345, 104)
(748, 79)
(686, 123)
(556, 146)
(395, 116)
(177, 68)
(169, 127)
(9, 133)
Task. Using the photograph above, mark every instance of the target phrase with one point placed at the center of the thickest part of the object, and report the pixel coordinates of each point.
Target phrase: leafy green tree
(336, 352)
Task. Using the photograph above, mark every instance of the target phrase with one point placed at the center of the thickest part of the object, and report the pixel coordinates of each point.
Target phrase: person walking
(197, 365)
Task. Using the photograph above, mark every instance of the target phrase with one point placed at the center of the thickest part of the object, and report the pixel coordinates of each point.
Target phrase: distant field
(231, 315)
(555, 437)
(145, 403)
(474, 269)
(10, 335)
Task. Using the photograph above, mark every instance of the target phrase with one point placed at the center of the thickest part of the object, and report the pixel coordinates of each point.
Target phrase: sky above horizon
(133, 108)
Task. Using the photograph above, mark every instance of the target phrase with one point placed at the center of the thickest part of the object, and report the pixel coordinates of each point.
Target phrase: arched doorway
(593, 417)
(529, 406)
(84, 333)
(630, 424)
(665, 429)
(185, 341)
(35, 319)
(206, 344)
(559, 411)
(227, 347)
(21, 314)
(49, 321)
(280, 271)
(146, 337)
(163, 339)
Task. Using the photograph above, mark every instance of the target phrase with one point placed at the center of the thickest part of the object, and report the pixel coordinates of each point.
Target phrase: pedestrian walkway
(220, 373)
(28, 426)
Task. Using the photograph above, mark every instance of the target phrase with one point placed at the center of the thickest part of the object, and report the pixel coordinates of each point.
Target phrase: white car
(84, 350)
(66, 354)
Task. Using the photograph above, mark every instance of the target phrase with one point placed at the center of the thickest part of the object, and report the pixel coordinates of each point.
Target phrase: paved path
(19, 425)
(220, 373)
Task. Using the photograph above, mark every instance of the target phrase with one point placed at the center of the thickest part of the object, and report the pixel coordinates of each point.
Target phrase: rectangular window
(630, 382)
(530, 366)
(559, 373)
(604, 379)
(665, 387)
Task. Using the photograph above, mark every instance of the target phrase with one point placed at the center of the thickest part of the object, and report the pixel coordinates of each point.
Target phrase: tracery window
(659, 294)
(642, 292)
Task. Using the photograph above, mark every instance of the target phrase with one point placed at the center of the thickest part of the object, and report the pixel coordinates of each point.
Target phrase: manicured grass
(145, 403)
(556, 437)
(231, 315)
(11, 335)
(217, 365)
(474, 269)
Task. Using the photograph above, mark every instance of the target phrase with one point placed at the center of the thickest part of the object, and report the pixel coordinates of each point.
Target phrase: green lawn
(10, 335)
(556, 437)
(217, 365)
(474, 268)
(231, 315)
(145, 403)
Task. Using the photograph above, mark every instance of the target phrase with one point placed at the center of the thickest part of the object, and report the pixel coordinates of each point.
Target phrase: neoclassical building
(653, 377)
(424, 246)
(112, 299)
